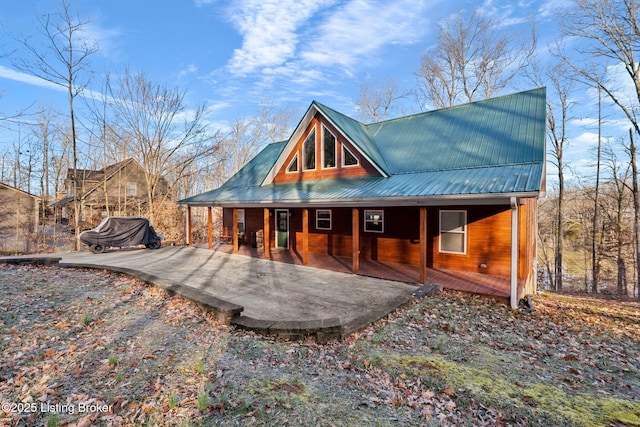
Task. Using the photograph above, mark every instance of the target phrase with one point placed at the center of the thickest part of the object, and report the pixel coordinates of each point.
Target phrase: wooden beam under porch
(477, 283)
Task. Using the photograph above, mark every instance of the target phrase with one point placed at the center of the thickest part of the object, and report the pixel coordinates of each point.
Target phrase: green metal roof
(503, 131)
(486, 149)
(412, 188)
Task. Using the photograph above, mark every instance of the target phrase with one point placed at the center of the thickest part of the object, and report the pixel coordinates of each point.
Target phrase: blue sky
(233, 55)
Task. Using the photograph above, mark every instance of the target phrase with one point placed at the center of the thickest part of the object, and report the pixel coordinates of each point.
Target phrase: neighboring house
(452, 189)
(19, 218)
(115, 190)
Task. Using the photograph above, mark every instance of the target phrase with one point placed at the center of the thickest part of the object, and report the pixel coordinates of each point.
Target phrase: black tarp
(120, 231)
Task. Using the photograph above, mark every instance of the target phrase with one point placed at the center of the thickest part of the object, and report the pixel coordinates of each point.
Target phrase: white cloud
(550, 8)
(356, 31)
(303, 41)
(191, 69)
(585, 140)
(29, 79)
(103, 39)
(271, 31)
(622, 84)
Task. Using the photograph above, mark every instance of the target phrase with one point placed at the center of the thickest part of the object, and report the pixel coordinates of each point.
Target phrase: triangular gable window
(348, 159)
(293, 166)
(309, 152)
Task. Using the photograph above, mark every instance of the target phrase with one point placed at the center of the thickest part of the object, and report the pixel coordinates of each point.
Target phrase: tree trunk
(595, 261)
(559, 229)
(636, 209)
(76, 201)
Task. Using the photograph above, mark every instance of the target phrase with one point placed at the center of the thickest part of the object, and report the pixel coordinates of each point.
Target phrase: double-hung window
(323, 219)
(374, 221)
(453, 232)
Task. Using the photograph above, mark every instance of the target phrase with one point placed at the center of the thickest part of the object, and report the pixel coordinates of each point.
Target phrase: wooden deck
(477, 283)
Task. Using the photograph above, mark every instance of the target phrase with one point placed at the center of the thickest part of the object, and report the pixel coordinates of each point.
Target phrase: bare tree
(618, 195)
(160, 131)
(635, 190)
(609, 34)
(377, 101)
(274, 122)
(62, 59)
(559, 104)
(472, 60)
(44, 131)
(595, 259)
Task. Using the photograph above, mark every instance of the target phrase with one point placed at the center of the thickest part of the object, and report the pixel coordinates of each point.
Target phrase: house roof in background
(493, 148)
(11, 187)
(94, 176)
(97, 174)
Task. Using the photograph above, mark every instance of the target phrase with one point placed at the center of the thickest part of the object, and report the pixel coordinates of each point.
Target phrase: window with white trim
(309, 152)
(132, 189)
(453, 232)
(293, 165)
(348, 159)
(374, 221)
(328, 149)
(323, 219)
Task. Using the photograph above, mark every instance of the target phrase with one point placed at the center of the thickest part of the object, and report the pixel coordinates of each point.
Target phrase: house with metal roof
(453, 189)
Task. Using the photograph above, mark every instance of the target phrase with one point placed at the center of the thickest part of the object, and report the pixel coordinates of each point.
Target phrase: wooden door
(282, 228)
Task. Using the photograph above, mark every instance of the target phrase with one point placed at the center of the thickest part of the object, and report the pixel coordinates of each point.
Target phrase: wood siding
(488, 241)
(364, 168)
(488, 238)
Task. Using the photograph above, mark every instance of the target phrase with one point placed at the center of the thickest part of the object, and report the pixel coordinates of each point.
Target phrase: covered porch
(485, 283)
(477, 283)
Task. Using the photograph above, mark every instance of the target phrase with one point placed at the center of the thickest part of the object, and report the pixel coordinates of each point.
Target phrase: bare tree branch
(472, 60)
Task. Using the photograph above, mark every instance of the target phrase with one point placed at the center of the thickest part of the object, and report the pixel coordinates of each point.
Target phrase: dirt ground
(84, 348)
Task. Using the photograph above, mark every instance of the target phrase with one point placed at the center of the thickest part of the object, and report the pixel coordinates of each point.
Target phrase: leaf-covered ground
(94, 348)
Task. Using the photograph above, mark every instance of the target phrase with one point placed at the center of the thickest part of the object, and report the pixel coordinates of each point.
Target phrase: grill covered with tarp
(120, 232)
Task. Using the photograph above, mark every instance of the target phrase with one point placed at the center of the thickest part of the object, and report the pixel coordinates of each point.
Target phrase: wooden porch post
(210, 224)
(305, 236)
(235, 230)
(267, 234)
(423, 245)
(189, 227)
(355, 238)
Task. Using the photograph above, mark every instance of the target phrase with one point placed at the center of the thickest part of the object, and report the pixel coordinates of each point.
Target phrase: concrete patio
(494, 286)
(269, 297)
